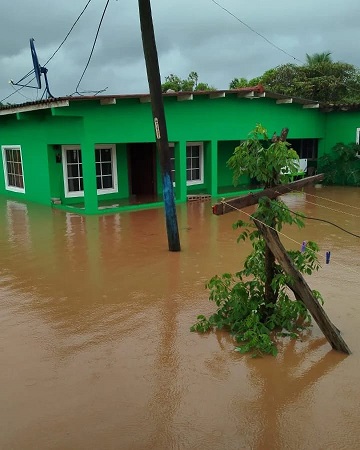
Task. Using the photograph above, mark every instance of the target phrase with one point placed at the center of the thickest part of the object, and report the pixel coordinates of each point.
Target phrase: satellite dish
(38, 70)
(37, 67)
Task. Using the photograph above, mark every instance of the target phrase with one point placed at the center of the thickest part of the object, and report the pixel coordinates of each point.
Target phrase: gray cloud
(191, 35)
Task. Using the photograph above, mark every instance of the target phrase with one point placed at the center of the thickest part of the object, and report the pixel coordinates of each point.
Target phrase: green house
(97, 154)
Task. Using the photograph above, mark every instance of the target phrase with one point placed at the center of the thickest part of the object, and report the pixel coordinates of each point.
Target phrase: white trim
(284, 101)
(114, 189)
(201, 156)
(311, 106)
(358, 140)
(214, 95)
(8, 187)
(108, 101)
(71, 194)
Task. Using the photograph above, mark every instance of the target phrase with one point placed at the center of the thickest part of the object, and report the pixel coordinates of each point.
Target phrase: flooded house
(97, 154)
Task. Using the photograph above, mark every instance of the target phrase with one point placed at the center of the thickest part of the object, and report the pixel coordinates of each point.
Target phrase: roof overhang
(16, 109)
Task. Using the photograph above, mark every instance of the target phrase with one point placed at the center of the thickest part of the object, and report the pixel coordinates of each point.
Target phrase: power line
(68, 34)
(93, 46)
(272, 43)
(283, 234)
(51, 57)
(325, 221)
(256, 32)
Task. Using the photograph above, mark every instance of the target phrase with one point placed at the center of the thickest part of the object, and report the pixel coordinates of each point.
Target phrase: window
(106, 174)
(73, 174)
(358, 140)
(305, 148)
(13, 168)
(194, 163)
(172, 162)
(105, 164)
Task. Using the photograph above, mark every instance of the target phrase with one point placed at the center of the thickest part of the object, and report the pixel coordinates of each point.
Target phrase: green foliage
(320, 79)
(262, 159)
(239, 297)
(238, 83)
(342, 165)
(191, 83)
(317, 58)
(243, 306)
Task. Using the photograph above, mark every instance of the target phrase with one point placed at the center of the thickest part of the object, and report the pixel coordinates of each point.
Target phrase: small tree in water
(254, 304)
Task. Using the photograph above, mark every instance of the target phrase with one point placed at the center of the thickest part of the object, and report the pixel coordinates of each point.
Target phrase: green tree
(240, 298)
(319, 79)
(191, 83)
(241, 82)
(318, 58)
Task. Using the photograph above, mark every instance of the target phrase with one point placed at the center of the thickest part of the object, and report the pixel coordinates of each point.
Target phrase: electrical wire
(325, 221)
(270, 42)
(283, 234)
(256, 32)
(51, 57)
(69, 32)
(93, 46)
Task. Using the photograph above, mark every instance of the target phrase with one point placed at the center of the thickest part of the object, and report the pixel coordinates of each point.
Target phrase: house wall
(219, 123)
(340, 126)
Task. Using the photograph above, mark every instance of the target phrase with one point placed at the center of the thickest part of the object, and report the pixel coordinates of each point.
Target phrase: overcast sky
(192, 35)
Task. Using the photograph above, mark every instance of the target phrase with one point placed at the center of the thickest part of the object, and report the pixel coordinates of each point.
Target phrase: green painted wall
(340, 127)
(219, 123)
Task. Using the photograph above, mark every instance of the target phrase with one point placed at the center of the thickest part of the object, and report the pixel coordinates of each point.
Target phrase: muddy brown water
(95, 348)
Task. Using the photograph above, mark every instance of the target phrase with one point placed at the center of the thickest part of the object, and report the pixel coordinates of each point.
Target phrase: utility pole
(162, 143)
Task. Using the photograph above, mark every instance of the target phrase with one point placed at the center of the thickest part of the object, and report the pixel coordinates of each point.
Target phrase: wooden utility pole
(153, 74)
(302, 290)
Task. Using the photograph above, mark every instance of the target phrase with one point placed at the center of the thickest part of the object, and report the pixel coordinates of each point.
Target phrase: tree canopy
(191, 83)
(317, 58)
(319, 79)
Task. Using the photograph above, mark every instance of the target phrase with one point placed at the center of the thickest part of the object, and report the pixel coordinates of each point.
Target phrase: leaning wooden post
(153, 73)
(302, 289)
(270, 296)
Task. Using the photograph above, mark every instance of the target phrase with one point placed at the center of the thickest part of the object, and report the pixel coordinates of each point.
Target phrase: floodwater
(95, 348)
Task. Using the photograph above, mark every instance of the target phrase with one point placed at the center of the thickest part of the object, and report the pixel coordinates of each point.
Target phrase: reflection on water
(95, 347)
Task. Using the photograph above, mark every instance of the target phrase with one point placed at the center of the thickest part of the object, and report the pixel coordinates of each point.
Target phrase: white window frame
(201, 157)
(8, 186)
(69, 194)
(114, 189)
(358, 140)
(201, 162)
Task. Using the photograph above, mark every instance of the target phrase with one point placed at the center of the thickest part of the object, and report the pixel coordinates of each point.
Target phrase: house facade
(97, 154)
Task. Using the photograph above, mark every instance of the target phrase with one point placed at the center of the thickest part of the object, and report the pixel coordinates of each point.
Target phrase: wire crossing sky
(219, 39)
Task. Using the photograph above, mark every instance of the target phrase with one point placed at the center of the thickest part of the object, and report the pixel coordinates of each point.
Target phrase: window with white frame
(13, 168)
(106, 173)
(358, 140)
(73, 173)
(194, 162)
(172, 161)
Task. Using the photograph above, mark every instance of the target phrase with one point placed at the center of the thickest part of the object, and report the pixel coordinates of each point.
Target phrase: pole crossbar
(251, 199)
